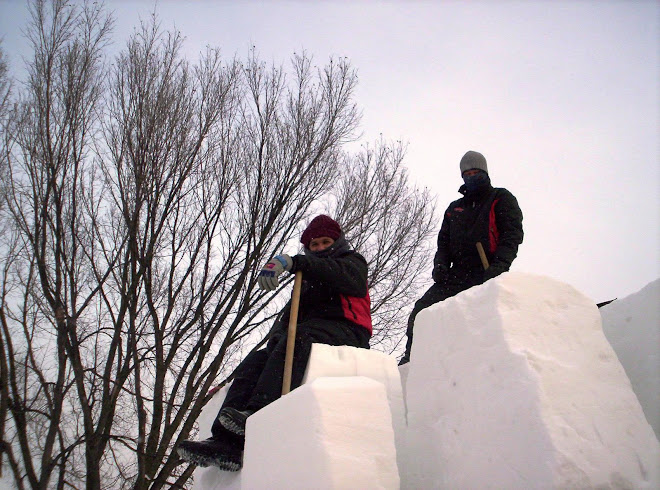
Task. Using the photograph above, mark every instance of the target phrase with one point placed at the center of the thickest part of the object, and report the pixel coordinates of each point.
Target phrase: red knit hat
(320, 226)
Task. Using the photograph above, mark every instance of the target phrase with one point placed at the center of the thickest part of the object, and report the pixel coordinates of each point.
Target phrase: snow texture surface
(326, 360)
(526, 388)
(632, 325)
(327, 434)
(512, 384)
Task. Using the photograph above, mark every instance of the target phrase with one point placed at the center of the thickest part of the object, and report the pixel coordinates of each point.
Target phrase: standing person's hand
(268, 277)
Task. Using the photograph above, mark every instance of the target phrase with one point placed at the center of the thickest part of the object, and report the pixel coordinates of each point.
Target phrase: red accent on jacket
(358, 310)
(493, 232)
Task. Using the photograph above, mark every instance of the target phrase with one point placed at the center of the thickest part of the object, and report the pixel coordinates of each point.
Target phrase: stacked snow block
(512, 384)
(327, 360)
(345, 422)
(333, 433)
(632, 325)
(340, 429)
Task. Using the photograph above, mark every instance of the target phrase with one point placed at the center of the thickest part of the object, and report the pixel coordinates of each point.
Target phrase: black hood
(338, 248)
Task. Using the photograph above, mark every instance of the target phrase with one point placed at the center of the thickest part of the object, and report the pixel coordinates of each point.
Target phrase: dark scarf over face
(340, 246)
(475, 186)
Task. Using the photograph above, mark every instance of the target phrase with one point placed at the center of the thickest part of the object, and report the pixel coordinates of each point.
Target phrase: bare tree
(5, 90)
(5, 85)
(390, 222)
(141, 202)
(45, 266)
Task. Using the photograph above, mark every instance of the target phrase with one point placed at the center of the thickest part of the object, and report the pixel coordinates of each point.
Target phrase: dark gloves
(440, 273)
(268, 277)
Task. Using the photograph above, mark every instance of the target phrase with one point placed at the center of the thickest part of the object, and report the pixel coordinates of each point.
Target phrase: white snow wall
(512, 384)
(336, 431)
(331, 433)
(632, 325)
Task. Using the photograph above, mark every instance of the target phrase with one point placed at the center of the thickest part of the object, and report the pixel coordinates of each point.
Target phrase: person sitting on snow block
(334, 309)
(484, 214)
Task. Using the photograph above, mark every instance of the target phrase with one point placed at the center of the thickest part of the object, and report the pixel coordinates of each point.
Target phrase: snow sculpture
(512, 384)
(332, 433)
(314, 432)
(327, 360)
(632, 325)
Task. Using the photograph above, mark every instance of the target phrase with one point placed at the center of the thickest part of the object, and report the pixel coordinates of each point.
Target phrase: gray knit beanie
(473, 159)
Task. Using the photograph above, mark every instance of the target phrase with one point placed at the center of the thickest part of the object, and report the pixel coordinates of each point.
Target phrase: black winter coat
(334, 288)
(490, 216)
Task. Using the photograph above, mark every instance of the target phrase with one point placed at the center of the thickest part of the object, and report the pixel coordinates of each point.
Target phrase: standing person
(485, 214)
(334, 309)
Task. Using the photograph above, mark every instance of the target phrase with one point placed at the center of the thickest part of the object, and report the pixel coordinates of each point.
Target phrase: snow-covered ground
(512, 384)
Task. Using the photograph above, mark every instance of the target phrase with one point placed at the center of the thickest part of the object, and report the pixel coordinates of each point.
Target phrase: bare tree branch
(141, 199)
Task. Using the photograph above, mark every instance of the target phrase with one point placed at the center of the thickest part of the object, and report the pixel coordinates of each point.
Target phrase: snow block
(336, 361)
(512, 384)
(332, 433)
(325, 361)
(632, 325)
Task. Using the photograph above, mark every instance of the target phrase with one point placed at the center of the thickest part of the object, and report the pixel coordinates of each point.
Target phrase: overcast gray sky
(561, 97)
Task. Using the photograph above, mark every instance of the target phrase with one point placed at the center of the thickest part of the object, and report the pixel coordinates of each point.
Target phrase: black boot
(220, 452)
(233, 420)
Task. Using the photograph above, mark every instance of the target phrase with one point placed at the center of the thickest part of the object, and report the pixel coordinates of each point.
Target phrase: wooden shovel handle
(482, 255)
(291, 334)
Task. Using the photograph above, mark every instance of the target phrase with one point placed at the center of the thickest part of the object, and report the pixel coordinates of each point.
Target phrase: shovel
(291, 335)
(482, 255)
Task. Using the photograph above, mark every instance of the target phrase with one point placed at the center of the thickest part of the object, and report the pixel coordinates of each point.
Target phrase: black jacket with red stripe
(334, 287)
(490, 216)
